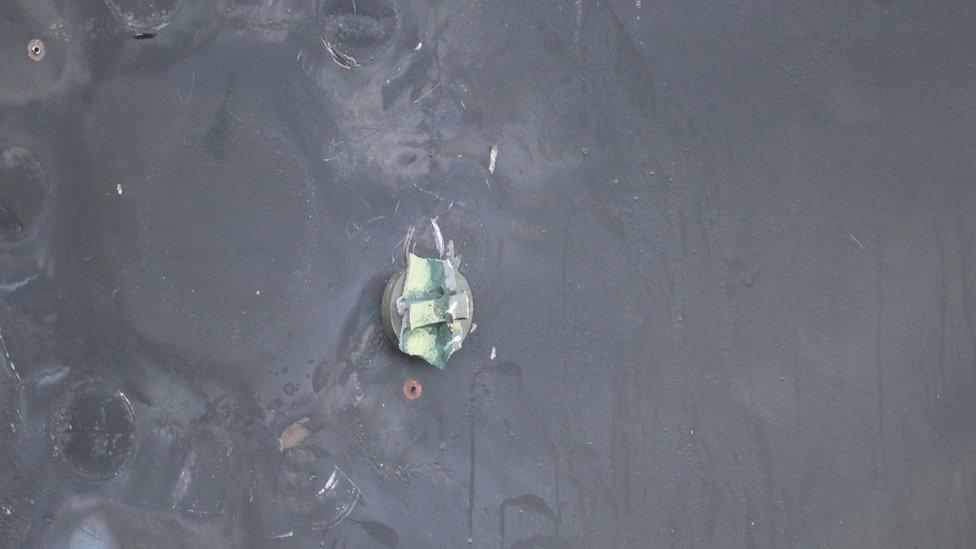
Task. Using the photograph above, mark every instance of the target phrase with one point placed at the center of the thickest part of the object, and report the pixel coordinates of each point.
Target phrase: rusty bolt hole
(35, 49)
(412, 389)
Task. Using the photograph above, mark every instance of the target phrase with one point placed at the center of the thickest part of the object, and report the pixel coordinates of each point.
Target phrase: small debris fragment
(35, 49)
(118, 188)
(492, 157)
(418, 46)
(287, 534)
(493, 353)
(293, 435)
(412, 388)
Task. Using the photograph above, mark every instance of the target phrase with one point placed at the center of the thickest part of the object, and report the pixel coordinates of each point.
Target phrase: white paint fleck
(418, 46)
(329, 484)
(118, 188)
(493, 353)
(492, 158)
(438, 237)
(287, 534)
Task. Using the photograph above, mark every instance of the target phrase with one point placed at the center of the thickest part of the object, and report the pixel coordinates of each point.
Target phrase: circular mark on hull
(143, 16)
(360, 30)
(35, 49)
(201, 486)
(93, 431)
(315, 490)
(23, 194)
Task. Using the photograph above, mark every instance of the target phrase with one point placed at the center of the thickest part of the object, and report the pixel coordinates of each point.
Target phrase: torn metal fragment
(427, 309)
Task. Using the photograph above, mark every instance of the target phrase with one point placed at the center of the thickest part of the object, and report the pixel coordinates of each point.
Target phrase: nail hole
(412, 389)
(35, 49)
(143, 36)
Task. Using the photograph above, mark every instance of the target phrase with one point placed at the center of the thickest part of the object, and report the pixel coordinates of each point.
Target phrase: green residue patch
(433, 306)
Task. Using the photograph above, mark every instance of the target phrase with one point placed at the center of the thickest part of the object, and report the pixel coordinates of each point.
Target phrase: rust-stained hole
(35, 49)
(412, 388)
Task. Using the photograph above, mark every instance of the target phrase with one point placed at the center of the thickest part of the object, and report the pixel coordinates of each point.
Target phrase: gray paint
(726, 257)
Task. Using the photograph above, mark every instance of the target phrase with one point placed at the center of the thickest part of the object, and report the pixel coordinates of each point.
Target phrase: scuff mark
(6, 357)
(529, 502)
(492, 158)
(380, 532)
(189, 95)
(579, 23)
(337, 500)
(344, 60)
(14, 286)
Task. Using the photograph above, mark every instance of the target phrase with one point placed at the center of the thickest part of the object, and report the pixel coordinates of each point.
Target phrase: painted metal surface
(723, 255)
